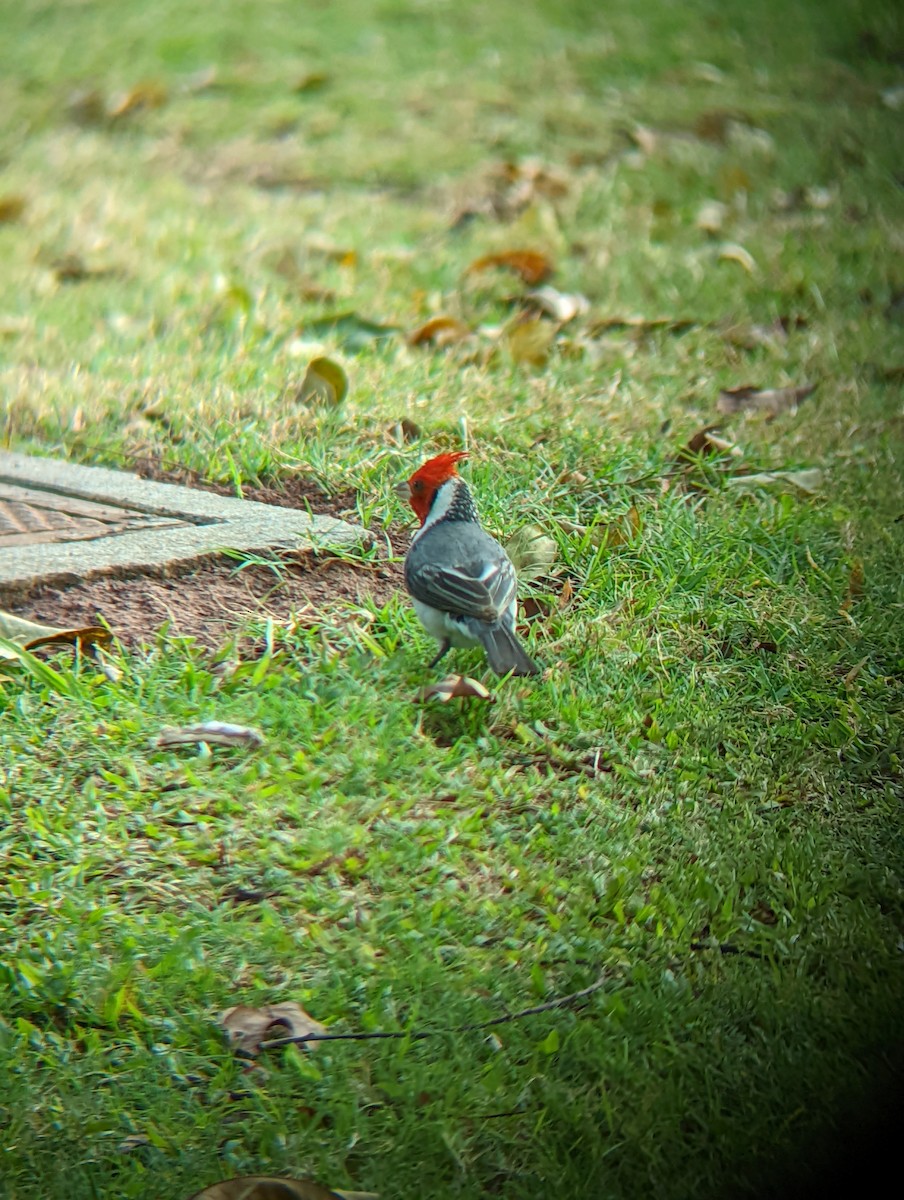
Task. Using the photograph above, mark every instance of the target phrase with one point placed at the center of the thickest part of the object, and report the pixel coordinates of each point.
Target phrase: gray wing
(484, 593)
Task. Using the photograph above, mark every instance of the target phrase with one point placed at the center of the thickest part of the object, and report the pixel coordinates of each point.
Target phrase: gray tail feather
(505, 653)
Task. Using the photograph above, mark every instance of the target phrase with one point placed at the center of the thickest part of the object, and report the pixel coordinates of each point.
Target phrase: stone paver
(61, 524)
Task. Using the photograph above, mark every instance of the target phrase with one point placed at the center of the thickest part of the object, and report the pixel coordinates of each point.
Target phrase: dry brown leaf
(72, 268)
(31, 635)
(711, 217)
(325, 384)
(214, 733)
(532, 266)
(456, 687)
(311, 81)
(248, 1027)
(707, 441)
(441, 331)
(146, 95)
(532, 551)
(808, 480)
(530, 341)
(271, 1187)
(771, 401)
(404, 431)
(561, 306)
(610, 534)
(12, 206)
(733, 252)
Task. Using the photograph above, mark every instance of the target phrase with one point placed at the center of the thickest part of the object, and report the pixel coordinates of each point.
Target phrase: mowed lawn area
(644, 261)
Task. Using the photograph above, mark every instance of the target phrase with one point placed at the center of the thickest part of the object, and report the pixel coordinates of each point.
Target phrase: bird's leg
(444, 647)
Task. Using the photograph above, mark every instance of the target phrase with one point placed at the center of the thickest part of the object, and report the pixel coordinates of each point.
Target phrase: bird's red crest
(426, 479)
(437, 470)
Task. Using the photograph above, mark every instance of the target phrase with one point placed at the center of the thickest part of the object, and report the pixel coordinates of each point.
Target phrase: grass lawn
(699, 799)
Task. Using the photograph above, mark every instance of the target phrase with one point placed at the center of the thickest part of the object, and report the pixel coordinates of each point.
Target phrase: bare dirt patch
(212, 600)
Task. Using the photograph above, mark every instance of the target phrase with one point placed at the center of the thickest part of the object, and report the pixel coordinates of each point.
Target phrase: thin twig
(418, 1035)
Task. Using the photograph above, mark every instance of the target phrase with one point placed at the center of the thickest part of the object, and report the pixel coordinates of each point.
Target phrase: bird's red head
(423, 484)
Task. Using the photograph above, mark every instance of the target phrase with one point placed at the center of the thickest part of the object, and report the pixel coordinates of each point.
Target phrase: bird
(461, 581)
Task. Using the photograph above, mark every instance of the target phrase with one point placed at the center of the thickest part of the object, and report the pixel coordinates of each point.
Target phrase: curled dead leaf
(610, 534)
(12, 206)
(771, 401)
(441, 331)
(733, 252)
(704, 442)
(532, 266)
(711, 217)
(145, 95)
(31, 635)
(311, 81)
(325, 384)
(561, 306)
(808, 480)
(214, 733)
(272, 1187)
(247, 1027)
(456, 687)
(530, 341)
(532, 551)
(404, 431)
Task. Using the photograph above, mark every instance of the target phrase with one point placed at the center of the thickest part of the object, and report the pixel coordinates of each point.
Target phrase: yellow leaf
(325, 383)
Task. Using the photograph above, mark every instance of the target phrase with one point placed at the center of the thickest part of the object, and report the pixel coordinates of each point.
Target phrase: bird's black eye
(418, 485)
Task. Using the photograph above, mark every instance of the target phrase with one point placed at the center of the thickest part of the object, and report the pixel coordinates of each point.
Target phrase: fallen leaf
(530, 341)
(404, 431)
(325, 384)
(767, 647)
(532, 551)
(30, 635)
(214, 733)
(441, 331)
(456, 686)
(706, 441)
(610, 534)
(87, 106)
(354, 333)
(732, 252)
(12, 206)
(711, 217)
(146, 95)
(271, 1187)
(311, 81)
(767, 400)
(713, 126)
(532, 266)
(808, 480)
(247, 1027)
(561, 306)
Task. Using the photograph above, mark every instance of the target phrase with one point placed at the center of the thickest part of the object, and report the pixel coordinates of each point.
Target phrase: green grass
(422, 867)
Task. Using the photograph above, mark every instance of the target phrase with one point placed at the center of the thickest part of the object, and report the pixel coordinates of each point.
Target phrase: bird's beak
(402, 490)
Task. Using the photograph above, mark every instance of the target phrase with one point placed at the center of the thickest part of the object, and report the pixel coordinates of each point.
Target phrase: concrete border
(215, 523)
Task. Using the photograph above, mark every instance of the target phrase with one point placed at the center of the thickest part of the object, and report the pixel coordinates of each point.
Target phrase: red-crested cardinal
(461, 581)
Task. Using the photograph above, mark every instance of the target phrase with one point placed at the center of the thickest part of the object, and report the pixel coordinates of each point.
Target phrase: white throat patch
(442, 502)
